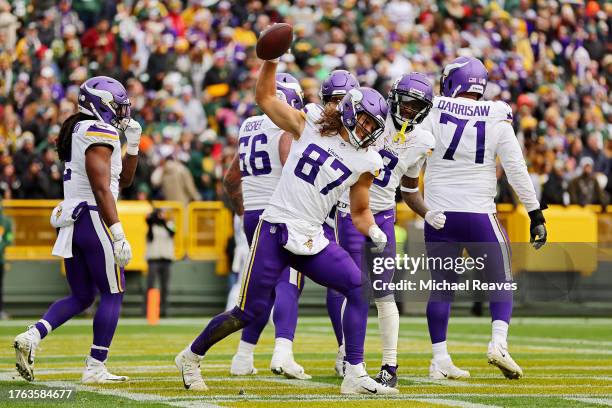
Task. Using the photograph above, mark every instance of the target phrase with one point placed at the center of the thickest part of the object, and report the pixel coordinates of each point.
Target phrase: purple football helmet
(288, 89)
(106, 99)
(337, 83)
(373, 105)
(464, 74)
(416, 93)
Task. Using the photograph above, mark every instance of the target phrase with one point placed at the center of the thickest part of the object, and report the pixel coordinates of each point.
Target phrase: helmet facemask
(364, 121)
(408, 107)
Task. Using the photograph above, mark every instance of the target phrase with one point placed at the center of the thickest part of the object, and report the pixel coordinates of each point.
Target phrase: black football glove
(537, 229)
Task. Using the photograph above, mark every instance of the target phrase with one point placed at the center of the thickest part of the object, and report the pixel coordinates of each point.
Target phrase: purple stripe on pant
(482, 235)
(285, 296)
(87, 274)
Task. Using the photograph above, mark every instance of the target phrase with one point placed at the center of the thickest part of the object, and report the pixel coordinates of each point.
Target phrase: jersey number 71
(460, 127)
(315, 166)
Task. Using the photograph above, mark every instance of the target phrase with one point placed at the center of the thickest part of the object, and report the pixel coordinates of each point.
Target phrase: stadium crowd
(190, 69)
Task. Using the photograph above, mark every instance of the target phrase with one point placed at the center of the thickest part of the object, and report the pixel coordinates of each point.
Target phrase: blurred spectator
(26, 155)
(550, 60)
(554, 190)
(159, 255)
(585, 188)
(35, 183)
(175, 181)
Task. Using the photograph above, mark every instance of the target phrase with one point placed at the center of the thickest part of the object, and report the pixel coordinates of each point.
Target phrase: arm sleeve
(512, 161)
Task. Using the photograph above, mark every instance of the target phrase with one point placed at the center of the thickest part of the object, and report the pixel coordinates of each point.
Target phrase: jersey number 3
(315, 164)
(460, 127)
(253, 155)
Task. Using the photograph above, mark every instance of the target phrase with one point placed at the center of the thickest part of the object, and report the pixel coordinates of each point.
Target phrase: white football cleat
(445, 370)
(242, 364)
(96, 373)
(339, 367)
(25, 346)
(189, 367)
(357, 381)
(499, 356)
(284, 364)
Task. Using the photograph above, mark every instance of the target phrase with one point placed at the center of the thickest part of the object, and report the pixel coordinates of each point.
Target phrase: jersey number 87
(310, 174)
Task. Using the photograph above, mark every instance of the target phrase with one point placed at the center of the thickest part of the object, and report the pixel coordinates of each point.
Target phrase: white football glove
(435, 218)
(133, 131)
(378, 237)
(121, 247)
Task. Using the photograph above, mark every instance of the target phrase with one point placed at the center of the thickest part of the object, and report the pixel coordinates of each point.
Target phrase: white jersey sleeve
(511, 156)
(259, 158)
(89, 133)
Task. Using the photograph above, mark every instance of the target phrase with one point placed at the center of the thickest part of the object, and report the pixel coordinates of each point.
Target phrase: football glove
(121, 247)
(378, 237)
(537, 229)
(435, 218)
(133, 131)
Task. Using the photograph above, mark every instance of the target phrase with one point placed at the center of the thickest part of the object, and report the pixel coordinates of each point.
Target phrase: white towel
(304, 238)
(63, 217)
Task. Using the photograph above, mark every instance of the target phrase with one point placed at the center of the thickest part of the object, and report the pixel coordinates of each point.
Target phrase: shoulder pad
(313, 112)
(101, 130)
(502, 111)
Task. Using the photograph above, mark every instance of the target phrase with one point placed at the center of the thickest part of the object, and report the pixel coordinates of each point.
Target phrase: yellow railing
(203, 229)
(34, 235)
(210, 227)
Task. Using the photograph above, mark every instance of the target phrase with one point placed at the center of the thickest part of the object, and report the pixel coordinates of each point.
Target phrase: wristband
(132, 150)
(116, 231)
(409, 190)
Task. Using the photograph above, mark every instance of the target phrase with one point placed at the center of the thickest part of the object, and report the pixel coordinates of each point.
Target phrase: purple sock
(104, 324)
(354, 324)
(251, 333)
(334, 309)
(501, 311)
(41, 329)
(63, 310)
(438, 314)
(221, 326)
(286, 310)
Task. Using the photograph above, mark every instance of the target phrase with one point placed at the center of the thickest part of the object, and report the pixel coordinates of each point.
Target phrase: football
(274, 41)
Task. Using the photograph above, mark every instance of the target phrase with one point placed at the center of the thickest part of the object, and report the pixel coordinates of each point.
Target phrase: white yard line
(455, 403)
(601, 401)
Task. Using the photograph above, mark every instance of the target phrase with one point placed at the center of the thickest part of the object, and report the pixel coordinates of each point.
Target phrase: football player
(333, 89)
(328, 155)
(403, 148)
(91, 239)
(250, 182)
(470, 134)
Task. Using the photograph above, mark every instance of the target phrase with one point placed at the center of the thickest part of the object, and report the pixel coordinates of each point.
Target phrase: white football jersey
(85, 134)
(460, 174)
(402, 156)
(318, 170)
(260, 164)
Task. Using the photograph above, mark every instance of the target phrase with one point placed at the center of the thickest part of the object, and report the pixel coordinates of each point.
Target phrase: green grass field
(567, 363)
